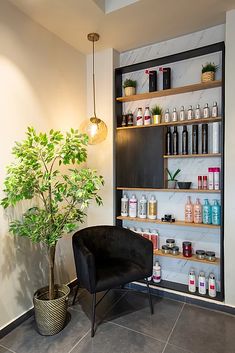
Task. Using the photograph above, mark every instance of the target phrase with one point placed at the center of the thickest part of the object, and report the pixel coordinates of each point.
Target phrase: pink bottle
(188, 213)
(197, 212)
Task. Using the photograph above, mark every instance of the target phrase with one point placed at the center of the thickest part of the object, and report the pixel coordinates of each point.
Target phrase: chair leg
(75, 295)
(93, 315)
(150, 297)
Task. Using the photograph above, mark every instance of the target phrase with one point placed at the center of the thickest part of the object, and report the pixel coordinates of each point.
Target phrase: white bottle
(215, 137)
(167, 118)
(214, 112)
(190, 113)
(147, 116)
(182, 114)
(143, 207)
(174, 115)
(216, 178)
(133, 206)
(157, 273)
(198, 112)
(192, 281)
(202, 283)
(206, 111)
(152, 208)
(139, 117)
(212, 286)
(124, 206)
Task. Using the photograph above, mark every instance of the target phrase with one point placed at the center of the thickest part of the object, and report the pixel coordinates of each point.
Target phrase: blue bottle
(206, 213)
(216, 213)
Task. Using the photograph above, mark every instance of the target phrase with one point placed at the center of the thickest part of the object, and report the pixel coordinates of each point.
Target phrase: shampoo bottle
(157, 273)
(133, 206)
(185, 140)
(212, 286)
(152, 208)
(192, 281)
(216, 211)
(197, 212)
(206, 212)
(168, 142)
(143, 207)
(147, 116)
(139, 117)
(124, 206)
(202, 283)
(188, 211)
(175, 141)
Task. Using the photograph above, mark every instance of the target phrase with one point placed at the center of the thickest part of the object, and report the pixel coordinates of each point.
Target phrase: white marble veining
(183, 73)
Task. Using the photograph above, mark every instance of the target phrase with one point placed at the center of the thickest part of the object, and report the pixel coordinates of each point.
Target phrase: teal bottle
(206, 213)
(216, 213)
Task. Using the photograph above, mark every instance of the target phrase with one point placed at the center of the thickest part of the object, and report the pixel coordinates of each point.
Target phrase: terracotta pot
(129, 91)
(157, 119)
(208, 76)
(50, 315)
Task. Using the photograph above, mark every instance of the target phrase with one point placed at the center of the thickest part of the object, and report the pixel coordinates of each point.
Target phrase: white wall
(100, 156)
(229, 219)
(43, 84)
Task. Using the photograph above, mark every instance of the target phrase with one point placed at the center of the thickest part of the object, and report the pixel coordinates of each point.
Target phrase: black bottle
(195, 139)
(175, 141)
(152, 81)
(185, 140)
(168, 142)
(166, 78)
(204, 138)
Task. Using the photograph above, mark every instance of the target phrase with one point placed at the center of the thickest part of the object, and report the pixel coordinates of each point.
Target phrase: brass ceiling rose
(93, 37)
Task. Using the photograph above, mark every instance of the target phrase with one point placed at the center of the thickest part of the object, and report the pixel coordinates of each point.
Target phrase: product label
(152, 209)
(212, 286)
(191, 281)
(202, 284)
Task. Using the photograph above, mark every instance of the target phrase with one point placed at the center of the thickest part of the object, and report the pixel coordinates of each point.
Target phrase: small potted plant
(129, 87)
(156, 112)
(59, 199)
(208, 72)
(172, 178)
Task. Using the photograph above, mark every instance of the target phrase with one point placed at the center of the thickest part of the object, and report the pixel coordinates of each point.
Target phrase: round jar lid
(170, 241)
(210, 253)
(200, 252)
(165, 247)
(175, 248)
(187, 243)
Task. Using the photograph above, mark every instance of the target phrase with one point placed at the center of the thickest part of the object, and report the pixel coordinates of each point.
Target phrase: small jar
(187, 249)
(170, 243)
(165, 249)
(200, 254)
(210, 256)
(175, 250)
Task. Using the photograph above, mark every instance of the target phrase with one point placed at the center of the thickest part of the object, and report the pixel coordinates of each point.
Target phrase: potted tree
(156, 112)
(208, 72)
(59, 196)
(172, 178)
(129, 87)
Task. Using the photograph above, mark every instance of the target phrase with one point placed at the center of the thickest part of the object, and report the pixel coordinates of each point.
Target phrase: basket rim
(45, 289)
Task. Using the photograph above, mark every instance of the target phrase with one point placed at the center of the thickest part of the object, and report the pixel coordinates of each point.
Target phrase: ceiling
(132, 24)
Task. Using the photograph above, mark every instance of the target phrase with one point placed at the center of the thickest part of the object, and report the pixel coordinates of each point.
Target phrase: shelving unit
(141, 159)
(181, 257)
(176, 223)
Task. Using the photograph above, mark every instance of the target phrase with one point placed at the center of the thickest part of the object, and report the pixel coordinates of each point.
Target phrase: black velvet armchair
(107, 257)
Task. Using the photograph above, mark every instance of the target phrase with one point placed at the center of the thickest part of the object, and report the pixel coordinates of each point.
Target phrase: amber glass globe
(96, 130)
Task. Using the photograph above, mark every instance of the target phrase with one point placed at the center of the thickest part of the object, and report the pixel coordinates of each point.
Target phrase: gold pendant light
(94, 127)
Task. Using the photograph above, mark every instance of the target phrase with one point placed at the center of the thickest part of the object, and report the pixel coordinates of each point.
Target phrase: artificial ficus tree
(61, 195)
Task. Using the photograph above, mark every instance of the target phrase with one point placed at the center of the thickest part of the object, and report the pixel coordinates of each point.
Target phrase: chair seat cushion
(111, 273)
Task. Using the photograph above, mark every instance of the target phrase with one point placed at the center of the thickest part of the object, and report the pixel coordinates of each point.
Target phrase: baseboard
(19, 320)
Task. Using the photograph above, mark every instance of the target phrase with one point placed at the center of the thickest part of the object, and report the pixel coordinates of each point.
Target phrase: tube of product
(210, 178)
(216, 178)
(215, 137)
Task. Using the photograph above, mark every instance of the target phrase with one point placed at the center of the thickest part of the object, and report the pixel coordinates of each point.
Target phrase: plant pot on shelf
(157, 119)
(129, 91)
(172, 184)
(208, 76)
(50, 315)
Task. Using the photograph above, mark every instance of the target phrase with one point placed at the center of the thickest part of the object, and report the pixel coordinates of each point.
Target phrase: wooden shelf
(181, 257)
(172, 91)
(199, 155)
(171, 190)
(176, 223)
(174, 123)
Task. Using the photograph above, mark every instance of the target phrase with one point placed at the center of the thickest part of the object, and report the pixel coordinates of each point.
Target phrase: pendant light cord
(93, 72)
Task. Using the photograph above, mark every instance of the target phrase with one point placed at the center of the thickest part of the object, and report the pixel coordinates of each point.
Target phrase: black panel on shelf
(139, 159)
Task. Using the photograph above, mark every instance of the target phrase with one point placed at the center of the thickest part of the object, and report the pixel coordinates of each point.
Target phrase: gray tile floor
(126, 326)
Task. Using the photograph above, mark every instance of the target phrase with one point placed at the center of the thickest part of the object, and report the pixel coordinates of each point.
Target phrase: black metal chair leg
(75, 295)
(150, 297)
(93, 315)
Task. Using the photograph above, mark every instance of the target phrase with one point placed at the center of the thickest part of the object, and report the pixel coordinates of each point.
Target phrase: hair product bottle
(152, 208)
(182, 114)
(143, 207)
(147, 116)
(214, 112)
(206, 111)
(212, 285)
(215, 137)
(192, 281)
(167, 117)
(195, 139)
(168, 142)
(157, 273)
(198, 112)
(202, 283)
(216, 213)
(204, 138)
(175, 141)
(124, 206)
(133, 206)
(206, 212)
(190, 113)
(139, 117)
(174, 115)
(197, 212)
(185, 140)
(188, 214)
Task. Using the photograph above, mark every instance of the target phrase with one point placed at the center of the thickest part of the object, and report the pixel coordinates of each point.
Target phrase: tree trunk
(51, 256)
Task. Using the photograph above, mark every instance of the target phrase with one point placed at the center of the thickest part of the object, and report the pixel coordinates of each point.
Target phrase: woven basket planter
(50, 315)
(208, 76)
(129, 91)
